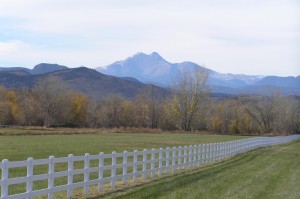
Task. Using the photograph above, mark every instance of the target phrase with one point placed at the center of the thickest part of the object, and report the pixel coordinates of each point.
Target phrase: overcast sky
(260, 37)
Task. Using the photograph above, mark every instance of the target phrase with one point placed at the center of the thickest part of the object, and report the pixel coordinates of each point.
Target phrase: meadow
(265, 173)
(271, 172)
(21, 143)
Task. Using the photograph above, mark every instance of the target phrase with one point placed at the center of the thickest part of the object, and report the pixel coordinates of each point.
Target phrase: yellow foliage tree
(79, 109)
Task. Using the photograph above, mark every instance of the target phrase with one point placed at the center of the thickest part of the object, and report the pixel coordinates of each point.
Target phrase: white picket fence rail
(144, 164)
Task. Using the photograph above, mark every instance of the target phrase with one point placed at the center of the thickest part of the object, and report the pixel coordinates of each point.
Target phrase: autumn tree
(148, 107)
(79, 109)
(10, 111)
(52, 100)
(287, 118)
(108, 112)
(189, 91)
(30, 113)
(127, 114)
(262, 109)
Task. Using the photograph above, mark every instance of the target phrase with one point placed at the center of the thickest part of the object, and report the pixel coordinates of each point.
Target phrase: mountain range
(38, 69)
(155, 69)
(131, 76)
(88, 81)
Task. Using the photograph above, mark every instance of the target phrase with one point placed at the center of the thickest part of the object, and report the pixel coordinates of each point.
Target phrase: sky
(254, 37)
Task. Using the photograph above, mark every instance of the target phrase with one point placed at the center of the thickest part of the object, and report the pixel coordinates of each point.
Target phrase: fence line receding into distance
(85, 171)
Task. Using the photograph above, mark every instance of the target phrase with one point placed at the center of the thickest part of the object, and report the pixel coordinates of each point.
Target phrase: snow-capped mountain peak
(154, 68)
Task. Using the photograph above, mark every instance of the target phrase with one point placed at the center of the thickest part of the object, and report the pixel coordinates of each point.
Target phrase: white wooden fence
(124, 166)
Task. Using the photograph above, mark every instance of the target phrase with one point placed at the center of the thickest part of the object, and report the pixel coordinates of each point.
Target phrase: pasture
(19, 144)
(265, 173)
(271, 172)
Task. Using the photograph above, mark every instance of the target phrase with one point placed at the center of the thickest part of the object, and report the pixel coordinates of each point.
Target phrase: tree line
(52, 103)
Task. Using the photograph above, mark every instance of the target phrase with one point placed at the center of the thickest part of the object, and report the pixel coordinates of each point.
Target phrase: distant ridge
(41, 68)
(47, 68)
(88, 81)
(141, 69)
(155, 69)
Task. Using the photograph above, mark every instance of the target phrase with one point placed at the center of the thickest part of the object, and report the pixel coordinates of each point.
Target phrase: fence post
(4, 178)
(213, 152)
(29, 176)
(195, 156)
(184, 156)
(232, 148)
(167, 160)
(145, 164)
(209, 153)
(135, 160)
(173, 159)
(86, 173)
(222, 150)
(152, 163)
(51, 177)
(124, 167)
(70, 176)
(160, 162)
(190, 156)
(216, 152)
(227, 148)
(219, 151)
(204, 154)
(101, 164)
(234, 145)
(113, 170)
(199, 155)
(203, 162)
(179, 157)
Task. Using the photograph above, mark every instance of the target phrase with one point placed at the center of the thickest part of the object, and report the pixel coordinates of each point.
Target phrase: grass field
(19, 144)
(42, 146)
(266, 173)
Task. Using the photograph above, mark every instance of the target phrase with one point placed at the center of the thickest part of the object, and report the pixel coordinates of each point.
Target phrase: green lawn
(43, 146)
(21, 144)
(266, 173)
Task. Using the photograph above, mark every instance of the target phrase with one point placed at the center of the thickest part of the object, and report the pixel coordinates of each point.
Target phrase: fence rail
(110, 168)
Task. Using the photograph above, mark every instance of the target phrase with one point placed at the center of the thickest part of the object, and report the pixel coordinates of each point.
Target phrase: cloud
(254, 37)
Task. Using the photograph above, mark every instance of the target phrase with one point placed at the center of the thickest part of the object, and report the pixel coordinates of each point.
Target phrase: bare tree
(53, 102)
(28, 101)
(287, 114)
(189, 90)
(148, 107)
(108, 112)
(262, 109)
